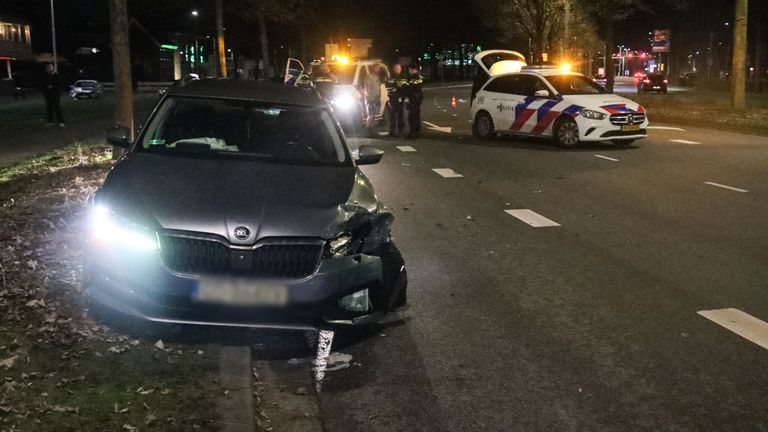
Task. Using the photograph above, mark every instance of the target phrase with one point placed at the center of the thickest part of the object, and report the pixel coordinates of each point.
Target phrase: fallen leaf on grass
(128, 427)
(141, 391)
(9, 362)
(159, 344)
(62, 409)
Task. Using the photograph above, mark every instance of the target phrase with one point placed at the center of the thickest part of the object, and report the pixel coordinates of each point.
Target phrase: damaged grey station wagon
(240, 204)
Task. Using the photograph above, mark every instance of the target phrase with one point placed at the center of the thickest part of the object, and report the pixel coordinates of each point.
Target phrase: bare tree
(537, 20)
(265, 12)
(121, 63)
(738, 82)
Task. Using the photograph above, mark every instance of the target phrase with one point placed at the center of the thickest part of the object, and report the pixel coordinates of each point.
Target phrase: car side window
(529, 84)
(510, 84)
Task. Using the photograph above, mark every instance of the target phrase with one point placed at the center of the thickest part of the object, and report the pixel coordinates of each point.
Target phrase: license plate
(626, 128)
(241, 292)
(656, 87)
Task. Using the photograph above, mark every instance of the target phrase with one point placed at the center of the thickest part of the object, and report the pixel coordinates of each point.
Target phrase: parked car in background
(653, 83)
(86, 89)
(600, 79)
(688, 79)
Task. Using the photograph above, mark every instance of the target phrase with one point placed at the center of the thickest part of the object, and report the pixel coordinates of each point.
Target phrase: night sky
(407, 25)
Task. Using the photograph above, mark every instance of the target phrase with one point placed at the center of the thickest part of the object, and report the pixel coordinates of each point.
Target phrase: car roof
(258, 91)
(541, 72)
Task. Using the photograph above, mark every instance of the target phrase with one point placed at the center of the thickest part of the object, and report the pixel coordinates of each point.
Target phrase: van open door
(495, 62)
(293, 70)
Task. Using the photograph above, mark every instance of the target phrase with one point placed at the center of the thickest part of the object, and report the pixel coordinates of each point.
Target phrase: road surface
(593, 321)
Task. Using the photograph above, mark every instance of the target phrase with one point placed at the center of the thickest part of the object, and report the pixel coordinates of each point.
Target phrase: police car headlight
(592, 115)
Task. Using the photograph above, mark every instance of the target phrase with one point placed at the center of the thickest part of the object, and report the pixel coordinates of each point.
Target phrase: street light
(196, 55)
(195, 13)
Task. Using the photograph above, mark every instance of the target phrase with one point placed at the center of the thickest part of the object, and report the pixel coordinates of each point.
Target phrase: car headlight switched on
(592, 115)
(109, 228)
(344, 101)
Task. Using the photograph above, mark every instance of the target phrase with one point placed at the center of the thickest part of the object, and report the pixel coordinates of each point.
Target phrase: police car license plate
(241, 292)
(626, 128)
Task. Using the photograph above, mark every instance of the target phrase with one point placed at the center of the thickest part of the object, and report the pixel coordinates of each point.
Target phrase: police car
(548, 101)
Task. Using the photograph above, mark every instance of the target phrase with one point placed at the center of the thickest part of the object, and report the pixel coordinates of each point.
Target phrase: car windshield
(345, 73)
(223, 128)
(575, 85)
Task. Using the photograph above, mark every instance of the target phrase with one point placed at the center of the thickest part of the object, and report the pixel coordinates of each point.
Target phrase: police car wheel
(566, 133)
(483, 126)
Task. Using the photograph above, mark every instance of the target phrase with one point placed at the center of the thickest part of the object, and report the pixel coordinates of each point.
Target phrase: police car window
(575, 85)
(508, 84)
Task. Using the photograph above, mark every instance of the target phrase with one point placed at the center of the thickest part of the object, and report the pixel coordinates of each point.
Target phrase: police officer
(415, 97)
(396, 86)
(52, 92)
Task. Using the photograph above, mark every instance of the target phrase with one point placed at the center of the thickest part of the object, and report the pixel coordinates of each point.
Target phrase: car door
(502, 96)
(293, 70)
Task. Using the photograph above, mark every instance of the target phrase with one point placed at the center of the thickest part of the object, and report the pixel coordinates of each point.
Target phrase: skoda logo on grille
(242, 233)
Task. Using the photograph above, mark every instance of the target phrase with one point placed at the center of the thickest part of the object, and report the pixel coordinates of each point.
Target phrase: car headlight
(344, 101)
(592, 115)
(343, 245)
(108, 227)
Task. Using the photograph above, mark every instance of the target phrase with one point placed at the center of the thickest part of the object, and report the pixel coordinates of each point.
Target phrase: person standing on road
(372, 88)
(415, 97)
(396, 92)
(52, 94)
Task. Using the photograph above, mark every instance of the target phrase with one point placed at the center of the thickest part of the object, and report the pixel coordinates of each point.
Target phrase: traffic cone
(453, 101)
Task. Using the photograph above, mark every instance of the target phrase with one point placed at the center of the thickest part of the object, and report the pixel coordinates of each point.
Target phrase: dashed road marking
(383, 133)
(447, 172)
(607, 158)
(406, 148)
(741, 323)
(682, 141)
(726, 187)
(670, 128)
(532, 218)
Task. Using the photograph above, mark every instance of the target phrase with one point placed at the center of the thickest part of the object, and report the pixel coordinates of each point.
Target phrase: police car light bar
(539, 67)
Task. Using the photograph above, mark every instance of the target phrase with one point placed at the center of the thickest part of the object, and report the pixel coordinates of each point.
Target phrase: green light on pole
(169, 47)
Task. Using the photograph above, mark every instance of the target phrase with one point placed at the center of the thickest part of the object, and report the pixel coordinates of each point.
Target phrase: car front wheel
(566, 133)
(483, 126)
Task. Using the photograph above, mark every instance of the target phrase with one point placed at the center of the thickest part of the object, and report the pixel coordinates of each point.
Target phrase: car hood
(611, 103)
(216, 196)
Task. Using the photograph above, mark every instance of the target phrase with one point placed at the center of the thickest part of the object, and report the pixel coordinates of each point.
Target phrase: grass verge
(59, 369)
(706, 109)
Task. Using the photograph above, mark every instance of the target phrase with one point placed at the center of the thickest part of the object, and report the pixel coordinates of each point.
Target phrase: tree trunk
(264, 47)
(610, 69)
(121, 65)
(759, 50)
(738, 80)
(222, 54)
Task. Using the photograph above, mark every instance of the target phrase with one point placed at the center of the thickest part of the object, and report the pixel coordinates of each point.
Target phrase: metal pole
(53, 38)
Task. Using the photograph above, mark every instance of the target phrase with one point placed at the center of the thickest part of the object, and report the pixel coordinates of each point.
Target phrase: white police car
(550, 102)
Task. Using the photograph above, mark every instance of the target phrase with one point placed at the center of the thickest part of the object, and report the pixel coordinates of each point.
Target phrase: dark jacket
(415, 83)
(51, 85)
(397, 86)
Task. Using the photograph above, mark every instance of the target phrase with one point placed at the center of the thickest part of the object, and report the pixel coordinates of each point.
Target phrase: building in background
(15, 43)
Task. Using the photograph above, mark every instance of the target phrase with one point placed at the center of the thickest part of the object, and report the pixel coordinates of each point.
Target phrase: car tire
(394, 278)
(566, 132)
(483, 127)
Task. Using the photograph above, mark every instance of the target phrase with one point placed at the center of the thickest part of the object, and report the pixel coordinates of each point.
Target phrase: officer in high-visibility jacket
(415, 97)
(396, 86)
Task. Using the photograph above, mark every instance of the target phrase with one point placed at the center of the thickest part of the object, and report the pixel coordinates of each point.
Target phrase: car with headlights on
(341, 86)
(86, 89)
(239, 203)
(546, 101)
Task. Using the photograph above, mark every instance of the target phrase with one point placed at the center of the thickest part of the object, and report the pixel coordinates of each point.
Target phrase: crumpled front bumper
(137, 284)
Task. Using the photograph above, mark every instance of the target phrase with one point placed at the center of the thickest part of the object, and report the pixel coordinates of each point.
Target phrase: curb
(236, 406)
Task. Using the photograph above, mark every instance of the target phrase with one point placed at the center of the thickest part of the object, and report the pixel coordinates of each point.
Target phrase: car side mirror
(119, 136)
(542, 94)
(369, 155)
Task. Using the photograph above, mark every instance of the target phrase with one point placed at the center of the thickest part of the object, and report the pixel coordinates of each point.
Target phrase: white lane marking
(741, 323)
(606, 158)
(447, 172)
(383, 133)
(438, 128)
(670, 128)
(681, 141)
(532, 218)
(726, 187)
(406, 148)
(447, 87)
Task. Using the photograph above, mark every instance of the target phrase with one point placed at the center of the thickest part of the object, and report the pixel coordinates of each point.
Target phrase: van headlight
(592, 115)
(109, 228)
(344, 101)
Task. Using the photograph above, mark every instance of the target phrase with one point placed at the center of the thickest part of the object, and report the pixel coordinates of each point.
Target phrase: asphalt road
(590, 325)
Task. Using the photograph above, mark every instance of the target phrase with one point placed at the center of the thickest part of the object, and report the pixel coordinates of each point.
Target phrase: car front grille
(624, 118)
(273, 259)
